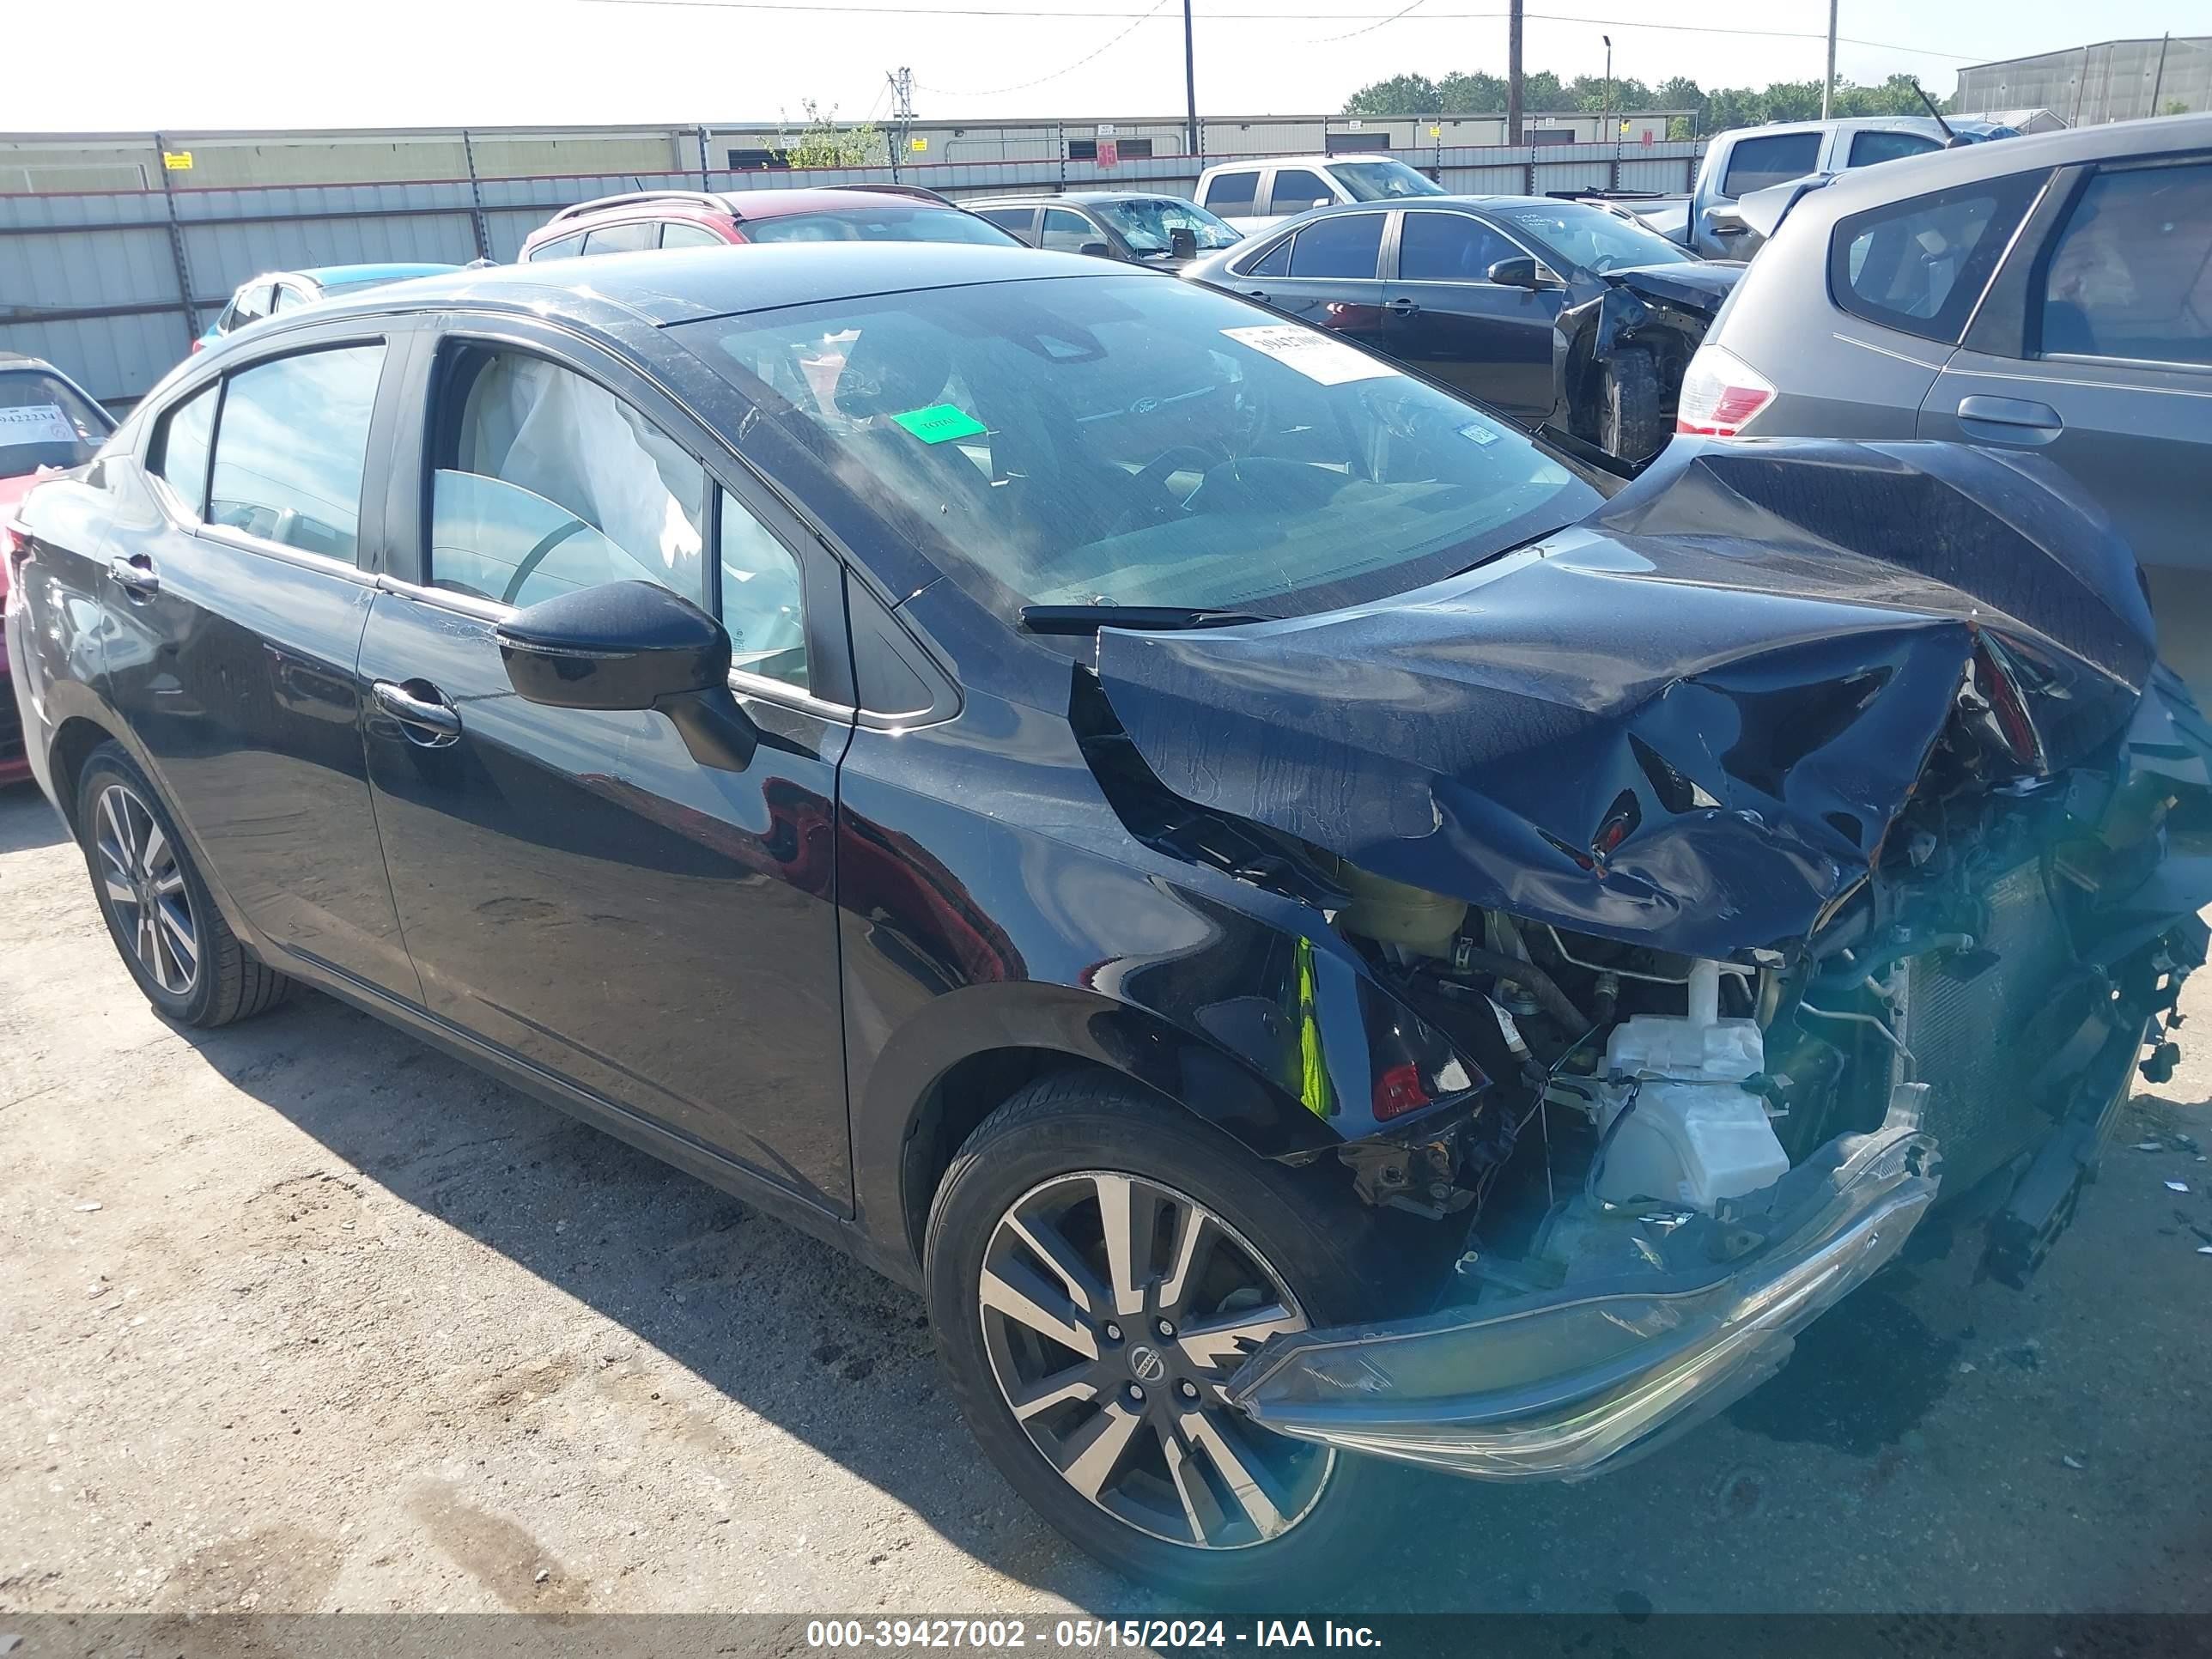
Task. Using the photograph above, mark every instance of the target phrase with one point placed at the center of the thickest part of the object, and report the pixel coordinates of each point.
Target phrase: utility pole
(1513, 71)
(901, 80)
(2158, 81)
(1190, 77)
(1828, 86)
(1605, 119)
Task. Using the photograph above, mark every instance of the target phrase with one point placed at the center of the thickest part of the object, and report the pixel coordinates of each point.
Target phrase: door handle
(430, 722)
(135, 576)
(2010, 411)
(1401, 307)
(1255, 293)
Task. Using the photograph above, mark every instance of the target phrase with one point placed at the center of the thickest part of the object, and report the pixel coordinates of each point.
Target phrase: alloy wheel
(1115, 1310)
(145, 890)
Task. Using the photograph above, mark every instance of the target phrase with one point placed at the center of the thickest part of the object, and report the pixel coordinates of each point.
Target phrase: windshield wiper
(1158, 618)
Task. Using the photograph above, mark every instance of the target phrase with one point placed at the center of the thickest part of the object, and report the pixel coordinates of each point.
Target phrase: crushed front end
(1789, 844)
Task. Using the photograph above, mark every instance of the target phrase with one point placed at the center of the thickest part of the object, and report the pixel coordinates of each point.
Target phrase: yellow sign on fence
(177, 160)
(920, 145)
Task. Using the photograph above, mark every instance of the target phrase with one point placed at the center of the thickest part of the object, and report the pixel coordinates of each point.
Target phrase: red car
(46, 420)
(698, 218)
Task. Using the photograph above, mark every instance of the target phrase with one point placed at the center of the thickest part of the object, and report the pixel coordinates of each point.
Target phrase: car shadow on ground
(842, 1359)
(26, 820)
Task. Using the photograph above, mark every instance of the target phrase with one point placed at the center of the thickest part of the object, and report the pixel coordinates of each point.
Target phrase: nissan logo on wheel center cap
(1145, 1364)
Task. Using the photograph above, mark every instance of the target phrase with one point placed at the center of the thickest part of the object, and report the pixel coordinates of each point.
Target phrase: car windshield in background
(332, 290)
(1125, 441)
(1590, 238)
(887, 224)
(1383, 181)
(44, 422)
(1147, 225)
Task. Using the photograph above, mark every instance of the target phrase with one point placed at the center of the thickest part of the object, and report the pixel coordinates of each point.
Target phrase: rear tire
(157, 908)
(1629, 421)
(1121, 1440)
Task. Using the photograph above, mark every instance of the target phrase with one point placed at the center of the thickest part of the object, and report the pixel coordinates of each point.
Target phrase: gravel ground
(301, 1315)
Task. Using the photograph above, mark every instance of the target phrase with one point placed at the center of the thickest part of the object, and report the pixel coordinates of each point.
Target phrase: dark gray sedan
(1562, 314)
(2052, 295)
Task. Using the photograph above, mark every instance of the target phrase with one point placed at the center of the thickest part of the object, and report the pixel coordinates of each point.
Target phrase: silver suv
(2050, 295)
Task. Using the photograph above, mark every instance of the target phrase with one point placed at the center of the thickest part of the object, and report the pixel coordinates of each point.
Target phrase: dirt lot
(302, 1316)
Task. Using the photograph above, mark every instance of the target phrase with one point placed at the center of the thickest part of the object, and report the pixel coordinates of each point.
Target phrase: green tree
(1401, 94)
(822, 143)
(2174, 106)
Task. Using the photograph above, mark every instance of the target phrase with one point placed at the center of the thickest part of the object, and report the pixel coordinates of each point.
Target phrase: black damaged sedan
(1312, 931)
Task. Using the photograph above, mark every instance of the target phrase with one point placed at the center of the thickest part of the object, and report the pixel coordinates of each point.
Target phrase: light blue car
(285, 290)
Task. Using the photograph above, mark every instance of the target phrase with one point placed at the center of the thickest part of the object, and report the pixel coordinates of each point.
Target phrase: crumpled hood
(1695, 285)
(1688, 721)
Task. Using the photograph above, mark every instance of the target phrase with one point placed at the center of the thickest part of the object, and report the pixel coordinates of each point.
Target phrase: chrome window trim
(757, 687)
(240, 541)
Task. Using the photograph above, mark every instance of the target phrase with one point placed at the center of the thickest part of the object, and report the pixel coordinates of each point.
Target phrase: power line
(1324, 39)
(1023, 86)
(1023, 15)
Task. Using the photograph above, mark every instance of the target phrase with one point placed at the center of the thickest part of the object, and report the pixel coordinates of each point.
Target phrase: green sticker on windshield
(941, 424)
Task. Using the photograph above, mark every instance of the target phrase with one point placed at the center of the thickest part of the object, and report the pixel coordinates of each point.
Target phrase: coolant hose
(1540, 984)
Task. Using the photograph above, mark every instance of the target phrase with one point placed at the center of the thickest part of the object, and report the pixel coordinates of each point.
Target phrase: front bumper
(1566, 1383)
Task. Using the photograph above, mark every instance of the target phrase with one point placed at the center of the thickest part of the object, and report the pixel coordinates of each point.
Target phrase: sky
(433, 62)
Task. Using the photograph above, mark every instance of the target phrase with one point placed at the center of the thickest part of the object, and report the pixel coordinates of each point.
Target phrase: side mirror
(1521, 272)
(1182, 243)
(1095, 251)
(632, 646)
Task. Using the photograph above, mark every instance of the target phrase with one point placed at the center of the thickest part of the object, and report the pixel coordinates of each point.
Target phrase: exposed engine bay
(1786, 841)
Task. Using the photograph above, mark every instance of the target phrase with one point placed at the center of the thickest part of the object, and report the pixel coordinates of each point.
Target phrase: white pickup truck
(1253, 194)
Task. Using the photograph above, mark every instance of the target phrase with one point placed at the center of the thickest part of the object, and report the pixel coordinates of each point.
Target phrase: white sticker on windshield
(1314, 354)
(36, 423)
(1476, 433)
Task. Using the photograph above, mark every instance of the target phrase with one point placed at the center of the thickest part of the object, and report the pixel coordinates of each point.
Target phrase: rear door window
(1296, 189)
(551, 483)
(1920, 265)
(291, 447)
(1755, 163)
(2131, 276)
(1869, 148)
(1231, 194)
(1345, 247)
(559, 248)
(621, 239)
(1018, 221)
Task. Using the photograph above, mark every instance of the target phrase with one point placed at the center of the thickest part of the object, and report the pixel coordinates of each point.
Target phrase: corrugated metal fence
(113, 286)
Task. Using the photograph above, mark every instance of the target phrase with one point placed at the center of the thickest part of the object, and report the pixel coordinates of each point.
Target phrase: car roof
(665, 286)
(1040, 198)
(1916, 175)
(1923, 123)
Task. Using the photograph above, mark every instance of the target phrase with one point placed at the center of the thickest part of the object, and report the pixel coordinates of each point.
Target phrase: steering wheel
(1152, 479)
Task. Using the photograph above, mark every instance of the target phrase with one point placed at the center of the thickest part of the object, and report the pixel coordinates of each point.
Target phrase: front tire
(1629, 421)
(157, 907)
(1098, 1265)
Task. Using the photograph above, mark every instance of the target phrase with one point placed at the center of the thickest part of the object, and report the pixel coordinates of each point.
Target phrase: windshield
(1126, 440)
(44, 422)
(332, 290)
(1574, 236)
(1144, 225)
(883, 224)
(1382, 181)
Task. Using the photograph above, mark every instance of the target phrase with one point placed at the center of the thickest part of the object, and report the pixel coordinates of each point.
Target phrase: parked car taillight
(1722, 394)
